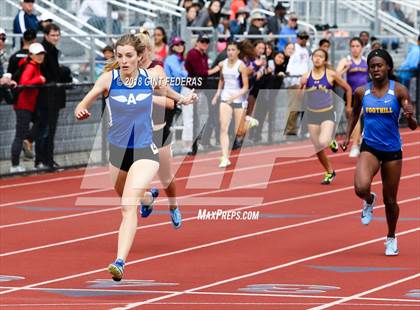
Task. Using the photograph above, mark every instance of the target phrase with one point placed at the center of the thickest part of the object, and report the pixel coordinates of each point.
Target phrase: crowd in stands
(271, 63)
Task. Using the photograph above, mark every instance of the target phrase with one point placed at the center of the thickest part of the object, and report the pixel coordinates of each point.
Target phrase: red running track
(307, 250)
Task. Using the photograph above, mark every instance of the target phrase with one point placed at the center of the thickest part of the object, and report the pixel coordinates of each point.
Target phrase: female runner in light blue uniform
(381, 101)
(133, 155)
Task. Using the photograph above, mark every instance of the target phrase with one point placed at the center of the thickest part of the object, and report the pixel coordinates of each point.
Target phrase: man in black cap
(196, 64)
(29, 37)
(278, 20)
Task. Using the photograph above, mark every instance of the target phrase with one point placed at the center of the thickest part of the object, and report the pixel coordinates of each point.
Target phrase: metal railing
(389, 23)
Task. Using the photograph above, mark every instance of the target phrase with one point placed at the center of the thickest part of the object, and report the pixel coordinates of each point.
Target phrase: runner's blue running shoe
(176, 218)
(146, 210)
(116, 269)
(367, 211)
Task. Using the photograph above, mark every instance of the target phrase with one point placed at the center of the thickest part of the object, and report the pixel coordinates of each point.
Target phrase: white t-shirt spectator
(299, 63)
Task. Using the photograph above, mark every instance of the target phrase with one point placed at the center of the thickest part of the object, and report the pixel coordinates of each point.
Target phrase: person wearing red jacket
(26, 102)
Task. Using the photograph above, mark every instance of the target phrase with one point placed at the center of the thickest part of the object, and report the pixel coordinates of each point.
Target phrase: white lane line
(195, 217)
(42, 289)
(242, 154)
(206, 245)
(378, 288)
(262, 271)
(267, 150)
(91, 304)
(159, 200)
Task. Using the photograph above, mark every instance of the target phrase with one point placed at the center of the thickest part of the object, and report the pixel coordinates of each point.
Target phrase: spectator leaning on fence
(49, 102)
(26, 101)
(25, 19)
(196, 64)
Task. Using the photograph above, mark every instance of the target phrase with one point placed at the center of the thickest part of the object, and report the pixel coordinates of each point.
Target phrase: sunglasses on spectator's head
(205, 41)
(303, 37)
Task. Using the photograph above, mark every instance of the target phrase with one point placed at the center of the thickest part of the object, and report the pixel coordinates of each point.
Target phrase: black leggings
(23, 119)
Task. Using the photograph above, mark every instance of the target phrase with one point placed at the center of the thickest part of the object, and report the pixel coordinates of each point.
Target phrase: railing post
(92, 58)
(108, 19)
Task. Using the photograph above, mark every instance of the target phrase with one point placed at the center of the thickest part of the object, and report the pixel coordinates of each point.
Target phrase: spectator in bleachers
(196, 64)
(160, 48)
(299, 64)
(94, 12)
(410, 66)
(45, 20)
(26, 102)
(209, 17)
(280, 65)
(29, 37)
(376, 44)
(257, 26)
(199, 4)
(325, 44)
(25, 19)
(289, 29)
(269, 51)
(364, 36)
(108, 53)
(239, 24)
(185, 4)
(49, 103)
(235, 6)
(278, 21)
(192, 13)
(289, 49)
(398, 13)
